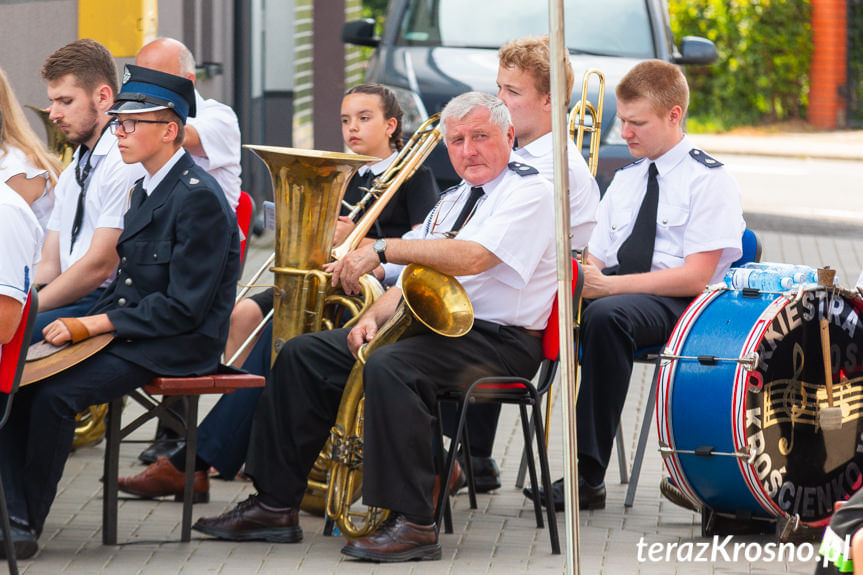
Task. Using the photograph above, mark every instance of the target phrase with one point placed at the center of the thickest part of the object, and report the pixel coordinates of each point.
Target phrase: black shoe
(23, 540)
(486, 475)
(161, 447)
(673, 493)
(589, 496)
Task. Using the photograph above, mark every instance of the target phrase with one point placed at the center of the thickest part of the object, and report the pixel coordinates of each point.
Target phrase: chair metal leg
(642, 437)
(546, 482)
(621, 455)
(450, 464)
(441, 465)
(522, 466)
(531, 467)
(11, 560)
(468, 462)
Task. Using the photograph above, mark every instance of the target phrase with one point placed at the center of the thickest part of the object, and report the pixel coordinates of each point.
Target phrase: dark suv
(433, 50)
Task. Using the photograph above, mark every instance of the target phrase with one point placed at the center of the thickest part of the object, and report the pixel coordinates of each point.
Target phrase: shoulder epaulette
(522, 169)
(190, 179)
(630, 164)
(704, 158)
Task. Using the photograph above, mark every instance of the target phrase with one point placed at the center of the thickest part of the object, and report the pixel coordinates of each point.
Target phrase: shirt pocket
(155, 252)
(671, 223)
(620, 222)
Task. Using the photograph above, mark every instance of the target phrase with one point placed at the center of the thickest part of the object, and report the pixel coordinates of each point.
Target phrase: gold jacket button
(121, 302)
(128, 281)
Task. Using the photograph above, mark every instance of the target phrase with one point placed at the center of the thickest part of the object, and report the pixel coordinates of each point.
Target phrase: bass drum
(739, 398)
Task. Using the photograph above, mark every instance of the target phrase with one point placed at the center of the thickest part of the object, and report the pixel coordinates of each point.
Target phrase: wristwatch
(380, 247)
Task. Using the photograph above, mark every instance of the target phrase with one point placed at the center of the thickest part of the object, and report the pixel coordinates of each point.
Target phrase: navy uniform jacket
(175, 287)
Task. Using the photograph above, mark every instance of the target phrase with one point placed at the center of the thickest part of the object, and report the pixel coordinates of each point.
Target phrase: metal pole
(559, 97)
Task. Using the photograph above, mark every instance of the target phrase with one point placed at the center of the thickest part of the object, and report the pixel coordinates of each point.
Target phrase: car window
(612, 27)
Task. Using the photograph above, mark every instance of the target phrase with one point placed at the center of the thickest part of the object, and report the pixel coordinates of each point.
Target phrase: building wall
(30, 30)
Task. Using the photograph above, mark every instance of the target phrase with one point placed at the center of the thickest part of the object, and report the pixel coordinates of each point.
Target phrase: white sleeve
(219, 131)
(509, 231)
(113, 189)
(19, 254)
(583, 199)
(715, 217)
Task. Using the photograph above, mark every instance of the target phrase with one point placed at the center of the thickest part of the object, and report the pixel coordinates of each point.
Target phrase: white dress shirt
(514, 220)
(219, 131)
(15, 162)
(699, 211)
(21, 238)
(108, 188)
(583, 189)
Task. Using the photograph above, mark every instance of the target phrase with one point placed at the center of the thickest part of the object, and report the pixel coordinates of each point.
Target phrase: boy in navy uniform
(168, 306)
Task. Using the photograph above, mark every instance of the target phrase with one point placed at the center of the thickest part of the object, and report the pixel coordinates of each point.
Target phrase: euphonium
(431, 302)
(584, 108)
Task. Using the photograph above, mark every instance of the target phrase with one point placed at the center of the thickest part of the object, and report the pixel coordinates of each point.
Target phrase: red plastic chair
(521, 392)
(12, 359)
(245, 214)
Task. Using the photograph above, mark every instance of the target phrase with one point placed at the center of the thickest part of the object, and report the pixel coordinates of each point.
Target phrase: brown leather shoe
(161, 479)
(250, 521)
(457, 480)
(397, 540)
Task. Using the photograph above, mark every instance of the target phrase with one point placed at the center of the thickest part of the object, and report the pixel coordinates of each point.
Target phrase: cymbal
(64, 358)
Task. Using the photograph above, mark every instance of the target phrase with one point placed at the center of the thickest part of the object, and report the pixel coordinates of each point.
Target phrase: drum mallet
(830, 417)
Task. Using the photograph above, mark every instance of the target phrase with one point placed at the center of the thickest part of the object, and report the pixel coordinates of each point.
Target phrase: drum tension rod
(749, 361)
(707, 451)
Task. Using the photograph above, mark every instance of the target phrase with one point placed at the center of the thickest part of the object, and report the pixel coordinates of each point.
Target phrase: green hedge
(765, 47)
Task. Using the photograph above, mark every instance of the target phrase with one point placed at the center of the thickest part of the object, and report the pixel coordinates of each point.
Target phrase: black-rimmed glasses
(129, 124)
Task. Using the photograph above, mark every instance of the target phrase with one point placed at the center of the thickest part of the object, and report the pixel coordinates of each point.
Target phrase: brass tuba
(577, 119)
(431, 302)
(308, 186)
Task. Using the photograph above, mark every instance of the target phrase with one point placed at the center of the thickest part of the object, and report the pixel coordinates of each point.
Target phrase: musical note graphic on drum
(796, 401)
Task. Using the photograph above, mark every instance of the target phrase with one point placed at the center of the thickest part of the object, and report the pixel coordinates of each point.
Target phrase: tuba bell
(432, 302)
(308, 186)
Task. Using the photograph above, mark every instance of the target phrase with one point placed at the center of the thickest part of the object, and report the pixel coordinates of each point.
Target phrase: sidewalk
(836, 145)
(500, 537)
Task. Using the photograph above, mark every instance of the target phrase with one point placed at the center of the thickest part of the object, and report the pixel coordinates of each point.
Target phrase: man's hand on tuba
(352, 267)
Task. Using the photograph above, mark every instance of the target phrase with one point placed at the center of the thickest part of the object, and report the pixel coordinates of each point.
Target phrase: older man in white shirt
(494, 231)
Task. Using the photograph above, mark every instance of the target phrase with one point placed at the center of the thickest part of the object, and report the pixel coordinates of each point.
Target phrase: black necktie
(82, 174)
(367, 179)
(139, 196)
(475, 195)
(636, 253)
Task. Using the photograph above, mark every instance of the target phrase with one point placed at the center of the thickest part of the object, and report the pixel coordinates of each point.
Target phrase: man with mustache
(79, 256)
